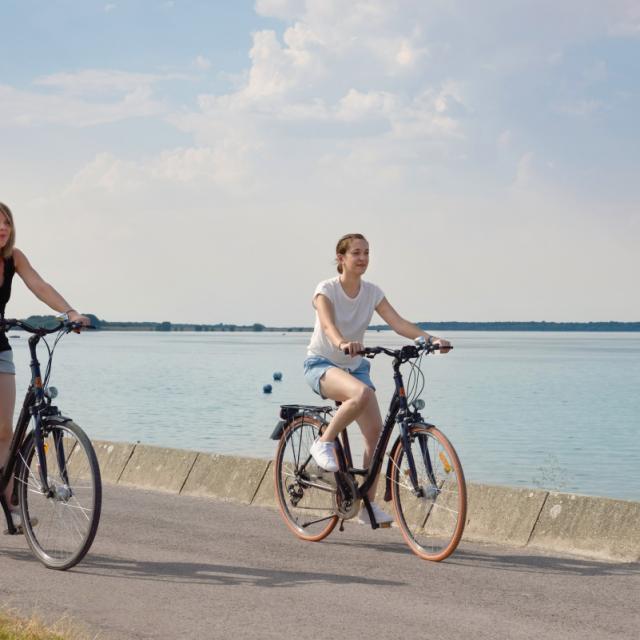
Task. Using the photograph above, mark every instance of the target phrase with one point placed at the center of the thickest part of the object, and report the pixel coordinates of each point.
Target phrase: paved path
(166, 566)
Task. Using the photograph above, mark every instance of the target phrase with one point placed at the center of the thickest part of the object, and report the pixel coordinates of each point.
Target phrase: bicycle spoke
(432, 523)
(67, 515)
(300, 489)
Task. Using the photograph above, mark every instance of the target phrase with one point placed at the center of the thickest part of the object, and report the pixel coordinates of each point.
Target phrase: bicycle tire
(307, 509)
(432, 524)
(60, 526)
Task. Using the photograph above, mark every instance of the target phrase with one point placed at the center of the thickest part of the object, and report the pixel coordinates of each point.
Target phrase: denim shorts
(316, 366)
(6, 362)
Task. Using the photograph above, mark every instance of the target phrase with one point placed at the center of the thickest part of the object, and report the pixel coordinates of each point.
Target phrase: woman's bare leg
(354, 395)
(370, 423)
(359, 403)
(7, 404)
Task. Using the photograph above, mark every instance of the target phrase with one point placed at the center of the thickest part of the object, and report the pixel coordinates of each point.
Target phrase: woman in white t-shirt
(344, 307)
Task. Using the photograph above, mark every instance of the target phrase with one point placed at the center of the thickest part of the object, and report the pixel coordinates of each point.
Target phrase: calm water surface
(553, 410)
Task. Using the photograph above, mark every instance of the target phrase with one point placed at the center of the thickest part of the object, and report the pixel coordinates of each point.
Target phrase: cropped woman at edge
(14, 261)
(344, 307)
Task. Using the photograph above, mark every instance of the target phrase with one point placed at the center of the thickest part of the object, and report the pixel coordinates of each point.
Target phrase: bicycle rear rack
(290, 411)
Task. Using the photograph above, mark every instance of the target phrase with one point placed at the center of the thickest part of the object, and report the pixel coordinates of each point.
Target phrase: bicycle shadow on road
(512, 559)
(217, 574)
(519, 560)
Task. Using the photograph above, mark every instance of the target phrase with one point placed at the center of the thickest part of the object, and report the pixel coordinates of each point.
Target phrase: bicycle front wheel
(432, 518)
(60, 522)
(305, 493)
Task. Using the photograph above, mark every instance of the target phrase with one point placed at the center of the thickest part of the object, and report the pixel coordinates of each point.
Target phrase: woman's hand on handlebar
(445, 345)
(77, 318)
(351, 348)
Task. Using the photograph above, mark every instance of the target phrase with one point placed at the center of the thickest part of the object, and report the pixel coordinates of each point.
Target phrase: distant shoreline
(540, 326)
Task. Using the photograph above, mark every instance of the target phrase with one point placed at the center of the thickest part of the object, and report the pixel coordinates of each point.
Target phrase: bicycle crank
(346, 501)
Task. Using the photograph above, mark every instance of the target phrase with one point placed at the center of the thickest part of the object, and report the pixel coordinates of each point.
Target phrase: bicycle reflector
(445, 462)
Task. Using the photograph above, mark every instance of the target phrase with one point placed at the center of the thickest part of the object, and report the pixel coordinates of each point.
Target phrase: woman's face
(356, 259)
(5, 229)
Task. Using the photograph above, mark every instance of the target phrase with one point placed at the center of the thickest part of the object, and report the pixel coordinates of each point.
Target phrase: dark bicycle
(424, 478)
(56, 474)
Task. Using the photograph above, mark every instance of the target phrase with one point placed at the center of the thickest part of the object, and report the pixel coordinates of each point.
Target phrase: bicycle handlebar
(7, 324)
(405, 353)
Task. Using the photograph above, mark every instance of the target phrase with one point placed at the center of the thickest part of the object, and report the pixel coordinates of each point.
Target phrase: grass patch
(13, 627)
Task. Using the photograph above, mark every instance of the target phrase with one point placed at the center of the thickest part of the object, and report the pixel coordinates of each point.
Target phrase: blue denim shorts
(6, 362)
(316, 366)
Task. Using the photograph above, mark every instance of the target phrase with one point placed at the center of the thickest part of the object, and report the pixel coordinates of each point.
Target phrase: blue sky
(196, 161)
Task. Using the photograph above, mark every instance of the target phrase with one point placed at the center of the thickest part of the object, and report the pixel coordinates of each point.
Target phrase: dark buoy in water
(277, 375)
(267, 388)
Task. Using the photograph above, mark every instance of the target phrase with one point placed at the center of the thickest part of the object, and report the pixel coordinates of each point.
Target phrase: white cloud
(377, 115)
(202, 63)
(82, 99)
(505, 140)
(27, 108)
(109, 7)
(525, 171)
(89, 81)
(625, 21)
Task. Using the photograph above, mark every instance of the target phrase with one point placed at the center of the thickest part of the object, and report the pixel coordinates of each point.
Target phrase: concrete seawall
(594, 527)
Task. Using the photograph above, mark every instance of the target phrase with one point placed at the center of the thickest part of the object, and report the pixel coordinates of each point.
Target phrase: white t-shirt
(352, 316)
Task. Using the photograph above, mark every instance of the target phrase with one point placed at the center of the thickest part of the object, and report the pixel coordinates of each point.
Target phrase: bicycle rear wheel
(60, 524)
(305, 493)
(432, 522)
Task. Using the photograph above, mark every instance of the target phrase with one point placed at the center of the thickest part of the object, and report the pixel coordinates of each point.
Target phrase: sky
(197, 161)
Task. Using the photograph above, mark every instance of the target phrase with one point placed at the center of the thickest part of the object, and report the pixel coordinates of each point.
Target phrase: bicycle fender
(279, 430)
(59, 419)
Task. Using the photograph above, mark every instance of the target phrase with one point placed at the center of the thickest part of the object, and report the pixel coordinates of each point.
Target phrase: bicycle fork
(404, 441)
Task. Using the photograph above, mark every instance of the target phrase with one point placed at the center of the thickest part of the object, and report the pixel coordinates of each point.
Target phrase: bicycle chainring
(346, 501)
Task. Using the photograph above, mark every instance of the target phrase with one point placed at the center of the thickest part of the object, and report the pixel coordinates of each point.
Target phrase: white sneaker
(382, 517)
(17, 521)
(324, 455)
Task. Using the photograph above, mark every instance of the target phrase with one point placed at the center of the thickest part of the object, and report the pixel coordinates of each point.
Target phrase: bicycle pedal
(385, 525)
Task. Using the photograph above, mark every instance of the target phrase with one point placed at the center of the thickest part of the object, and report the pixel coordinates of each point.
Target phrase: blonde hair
(344, 243)
(7, 250)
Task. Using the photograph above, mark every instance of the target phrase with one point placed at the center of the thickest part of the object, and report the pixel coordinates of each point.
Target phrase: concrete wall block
(597, 527)
(112, 458)
(225, 477)
(502, 515)
(158, 468)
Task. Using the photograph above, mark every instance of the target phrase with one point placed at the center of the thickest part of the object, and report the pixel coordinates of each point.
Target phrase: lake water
(553, 410)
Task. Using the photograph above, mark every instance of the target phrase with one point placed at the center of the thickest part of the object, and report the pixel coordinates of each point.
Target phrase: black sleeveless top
(5, 294)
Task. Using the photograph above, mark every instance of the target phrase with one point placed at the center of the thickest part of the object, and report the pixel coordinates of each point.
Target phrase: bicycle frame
(398, 413)
(34, 405)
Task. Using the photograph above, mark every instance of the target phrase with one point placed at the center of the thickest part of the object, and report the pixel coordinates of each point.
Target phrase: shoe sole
(19, 530)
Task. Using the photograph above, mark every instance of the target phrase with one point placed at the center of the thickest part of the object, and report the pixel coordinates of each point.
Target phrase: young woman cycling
(344, 307)
(14, 261)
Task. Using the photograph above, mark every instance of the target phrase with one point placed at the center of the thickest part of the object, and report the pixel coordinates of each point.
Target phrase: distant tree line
(104, 325)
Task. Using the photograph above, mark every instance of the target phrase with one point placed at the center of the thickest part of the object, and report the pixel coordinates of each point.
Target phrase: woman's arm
(43, 290)
(404, 327)
(327, 322)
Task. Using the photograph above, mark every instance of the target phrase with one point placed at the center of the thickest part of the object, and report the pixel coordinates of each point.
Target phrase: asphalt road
(167, 566)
